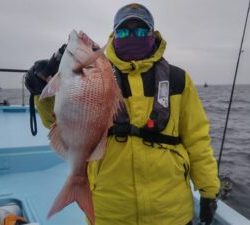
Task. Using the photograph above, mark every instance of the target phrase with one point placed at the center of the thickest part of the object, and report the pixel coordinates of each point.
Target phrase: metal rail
(13, 70)
(17, 71)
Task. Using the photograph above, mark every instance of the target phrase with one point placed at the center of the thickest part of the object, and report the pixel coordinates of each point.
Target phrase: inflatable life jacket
(168, 80)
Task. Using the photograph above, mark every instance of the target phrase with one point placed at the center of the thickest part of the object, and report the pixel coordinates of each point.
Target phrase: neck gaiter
(134, 48)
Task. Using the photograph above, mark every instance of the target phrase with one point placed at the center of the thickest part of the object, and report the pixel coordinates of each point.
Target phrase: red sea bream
(87, 98)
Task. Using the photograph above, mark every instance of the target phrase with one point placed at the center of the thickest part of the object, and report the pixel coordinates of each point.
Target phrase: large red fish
(86, 99)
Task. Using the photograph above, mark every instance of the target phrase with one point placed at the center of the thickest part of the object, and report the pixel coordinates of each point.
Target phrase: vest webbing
(122, 128)
(122, 131)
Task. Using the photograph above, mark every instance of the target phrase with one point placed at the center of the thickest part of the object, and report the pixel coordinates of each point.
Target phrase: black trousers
(190, 223)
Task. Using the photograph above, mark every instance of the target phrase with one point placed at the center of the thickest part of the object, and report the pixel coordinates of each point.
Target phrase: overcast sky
(203, 36)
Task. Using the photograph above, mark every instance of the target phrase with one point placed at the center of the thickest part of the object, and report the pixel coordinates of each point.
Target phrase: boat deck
(37, 190)
(32, 174)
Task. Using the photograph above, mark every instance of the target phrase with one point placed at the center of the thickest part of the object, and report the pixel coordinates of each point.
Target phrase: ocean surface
(235, 162)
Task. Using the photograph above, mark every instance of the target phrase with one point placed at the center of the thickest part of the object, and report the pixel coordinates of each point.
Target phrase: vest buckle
(121, 132)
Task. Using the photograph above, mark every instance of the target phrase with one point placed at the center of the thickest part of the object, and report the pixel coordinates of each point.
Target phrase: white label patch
(163, 93)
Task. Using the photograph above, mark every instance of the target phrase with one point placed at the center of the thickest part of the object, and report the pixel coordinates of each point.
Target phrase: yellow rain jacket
(136, 184)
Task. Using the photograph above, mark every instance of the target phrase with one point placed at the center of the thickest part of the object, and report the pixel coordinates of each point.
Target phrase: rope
(233, 86)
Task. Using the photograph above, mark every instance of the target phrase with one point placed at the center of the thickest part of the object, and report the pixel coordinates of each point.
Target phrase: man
(158, 143)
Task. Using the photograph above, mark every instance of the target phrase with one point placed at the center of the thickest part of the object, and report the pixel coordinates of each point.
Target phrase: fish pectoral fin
(56, 141)
(76, 189)
(52, 87)
(100, 148)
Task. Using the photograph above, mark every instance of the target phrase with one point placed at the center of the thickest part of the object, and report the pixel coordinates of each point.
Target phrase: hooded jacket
(137, 184)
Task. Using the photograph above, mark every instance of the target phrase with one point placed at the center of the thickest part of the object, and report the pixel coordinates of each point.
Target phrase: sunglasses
(137, 32)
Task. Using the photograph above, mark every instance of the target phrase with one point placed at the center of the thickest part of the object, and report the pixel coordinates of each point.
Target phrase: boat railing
(22, 85)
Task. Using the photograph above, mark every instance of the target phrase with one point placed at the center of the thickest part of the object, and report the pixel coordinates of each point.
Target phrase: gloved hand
(53, 64)
(33, 82)
(208, 207)
(42, 71)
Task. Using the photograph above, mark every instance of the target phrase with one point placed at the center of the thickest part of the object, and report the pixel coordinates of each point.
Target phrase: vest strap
(123, 130)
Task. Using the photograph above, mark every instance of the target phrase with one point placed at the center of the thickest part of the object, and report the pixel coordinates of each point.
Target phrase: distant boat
(205, 85)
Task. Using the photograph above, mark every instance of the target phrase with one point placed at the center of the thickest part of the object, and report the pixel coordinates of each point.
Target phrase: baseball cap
(136, 11)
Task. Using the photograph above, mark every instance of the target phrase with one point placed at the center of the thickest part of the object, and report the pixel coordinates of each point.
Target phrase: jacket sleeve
(45, 110)
(194, 132)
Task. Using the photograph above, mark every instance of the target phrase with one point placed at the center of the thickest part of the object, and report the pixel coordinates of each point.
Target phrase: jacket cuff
(211, 195)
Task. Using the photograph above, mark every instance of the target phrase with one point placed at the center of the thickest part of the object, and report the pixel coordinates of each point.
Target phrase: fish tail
(77, 190)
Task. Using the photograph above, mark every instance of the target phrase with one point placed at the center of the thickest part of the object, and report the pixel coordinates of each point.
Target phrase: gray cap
(136, 11)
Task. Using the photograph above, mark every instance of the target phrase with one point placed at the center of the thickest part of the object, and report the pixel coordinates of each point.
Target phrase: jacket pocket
(182, 163)
(95, 167)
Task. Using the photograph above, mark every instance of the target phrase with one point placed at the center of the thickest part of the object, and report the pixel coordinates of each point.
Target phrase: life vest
(168, 80)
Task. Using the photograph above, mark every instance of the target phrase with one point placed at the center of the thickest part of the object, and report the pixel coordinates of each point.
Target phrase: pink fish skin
(87, 98)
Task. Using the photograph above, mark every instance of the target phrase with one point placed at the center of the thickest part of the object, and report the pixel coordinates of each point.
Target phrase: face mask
(134, 48)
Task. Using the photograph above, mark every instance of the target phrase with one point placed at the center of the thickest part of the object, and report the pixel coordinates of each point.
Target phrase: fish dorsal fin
(52, 87)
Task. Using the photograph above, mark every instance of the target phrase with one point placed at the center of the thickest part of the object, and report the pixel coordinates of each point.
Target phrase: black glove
(38, 74)
(33, 82)
(208, 207)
